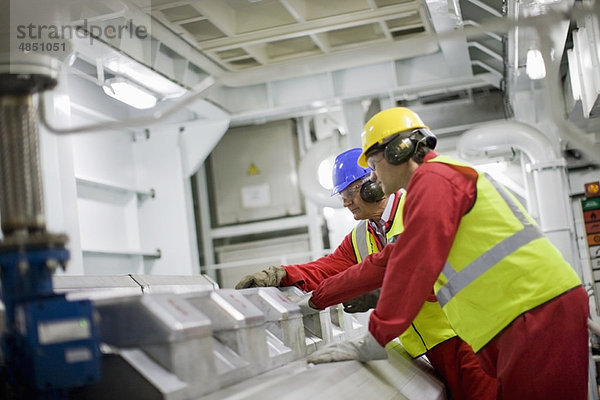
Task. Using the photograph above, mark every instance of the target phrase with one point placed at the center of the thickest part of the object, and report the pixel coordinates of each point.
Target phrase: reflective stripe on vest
(458, 281)
(430, 327)
(359, 240)
(499, 266)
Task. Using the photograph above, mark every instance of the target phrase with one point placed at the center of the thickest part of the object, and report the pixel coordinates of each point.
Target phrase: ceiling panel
(181, 13)
(203, 30)
(247, 34)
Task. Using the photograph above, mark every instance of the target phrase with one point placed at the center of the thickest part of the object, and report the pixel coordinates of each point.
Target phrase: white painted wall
(93, 181)
(164, 221)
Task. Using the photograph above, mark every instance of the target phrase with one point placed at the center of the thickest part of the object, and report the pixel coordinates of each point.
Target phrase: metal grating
(243, 34)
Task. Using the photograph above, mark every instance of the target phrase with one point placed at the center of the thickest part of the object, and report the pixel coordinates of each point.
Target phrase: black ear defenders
(400, 150)
(371, 192)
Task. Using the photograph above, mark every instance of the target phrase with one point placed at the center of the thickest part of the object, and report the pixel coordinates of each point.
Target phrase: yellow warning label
(253, 170)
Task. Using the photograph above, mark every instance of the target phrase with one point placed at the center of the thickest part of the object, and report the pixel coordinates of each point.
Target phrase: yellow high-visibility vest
(430, 327)
(500, 265)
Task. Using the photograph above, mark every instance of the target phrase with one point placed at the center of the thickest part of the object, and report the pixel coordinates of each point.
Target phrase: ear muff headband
(371, 192)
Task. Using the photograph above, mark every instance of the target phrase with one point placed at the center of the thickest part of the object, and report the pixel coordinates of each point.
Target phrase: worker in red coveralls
(506, 290)
(380, 223)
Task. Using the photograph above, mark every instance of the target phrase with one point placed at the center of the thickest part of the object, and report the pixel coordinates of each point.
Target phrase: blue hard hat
(346, 169)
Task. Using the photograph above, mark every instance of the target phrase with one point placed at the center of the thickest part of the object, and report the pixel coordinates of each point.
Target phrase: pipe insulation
(546, 166)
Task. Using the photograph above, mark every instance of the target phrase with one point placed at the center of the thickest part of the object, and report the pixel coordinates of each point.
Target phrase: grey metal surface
(271, 301)
(128, 321)
(174, 283)
(239, 333)
(414, 378)
(398, 377)
(238, 344)
(95, 287)
(106, 286)
(227, 308)
(162, 337)
(318, 327)
(284, 327)
(299, 381)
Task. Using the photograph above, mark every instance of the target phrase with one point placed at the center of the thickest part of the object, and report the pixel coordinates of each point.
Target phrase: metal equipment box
(254, 174)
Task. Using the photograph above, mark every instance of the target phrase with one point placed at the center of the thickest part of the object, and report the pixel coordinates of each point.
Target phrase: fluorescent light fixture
(535, 67)
(137, 72)
(129, 93)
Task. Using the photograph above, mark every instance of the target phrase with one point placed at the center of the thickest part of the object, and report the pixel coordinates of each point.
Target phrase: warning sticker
(595, 252)
(591, 216)
(593, 239)
(591, 204)
(592, 227)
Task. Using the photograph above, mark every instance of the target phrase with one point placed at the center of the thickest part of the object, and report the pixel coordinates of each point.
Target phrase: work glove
(271, 276)
(594, 327)
(304, 303)
(363, 302)
(364, 348)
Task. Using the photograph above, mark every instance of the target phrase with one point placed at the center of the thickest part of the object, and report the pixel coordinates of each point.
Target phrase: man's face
(359, 208)
(391, 177)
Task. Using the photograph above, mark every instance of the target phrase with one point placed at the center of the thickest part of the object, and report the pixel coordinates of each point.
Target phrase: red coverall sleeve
(437, 197)
(356, 280)
(308, 276)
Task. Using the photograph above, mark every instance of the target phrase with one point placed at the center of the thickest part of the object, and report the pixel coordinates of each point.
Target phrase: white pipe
(308, 178)
(501, 136)
(546, 166)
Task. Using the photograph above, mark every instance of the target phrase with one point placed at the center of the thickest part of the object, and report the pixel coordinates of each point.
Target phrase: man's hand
(364, 348)
(363, 302)
(306, 306)
(271, 276)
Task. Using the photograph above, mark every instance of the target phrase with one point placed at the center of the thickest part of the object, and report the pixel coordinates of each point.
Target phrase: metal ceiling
(273, 59)
(254, 35)
(243, 34)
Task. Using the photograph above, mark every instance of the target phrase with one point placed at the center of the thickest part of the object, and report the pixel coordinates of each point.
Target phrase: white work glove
(364, 348)
(304, 303)
(271, 276)
(594, 327)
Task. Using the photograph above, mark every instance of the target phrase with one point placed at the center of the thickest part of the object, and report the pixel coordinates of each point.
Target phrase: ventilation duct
(546, 167)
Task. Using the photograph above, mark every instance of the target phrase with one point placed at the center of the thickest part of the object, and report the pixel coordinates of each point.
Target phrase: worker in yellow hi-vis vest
(380, 223)
(506, 290)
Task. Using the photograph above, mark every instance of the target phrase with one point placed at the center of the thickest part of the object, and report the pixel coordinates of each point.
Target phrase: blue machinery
(49, 344)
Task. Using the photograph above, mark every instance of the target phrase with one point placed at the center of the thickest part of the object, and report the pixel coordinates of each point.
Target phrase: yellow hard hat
(385, 124)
